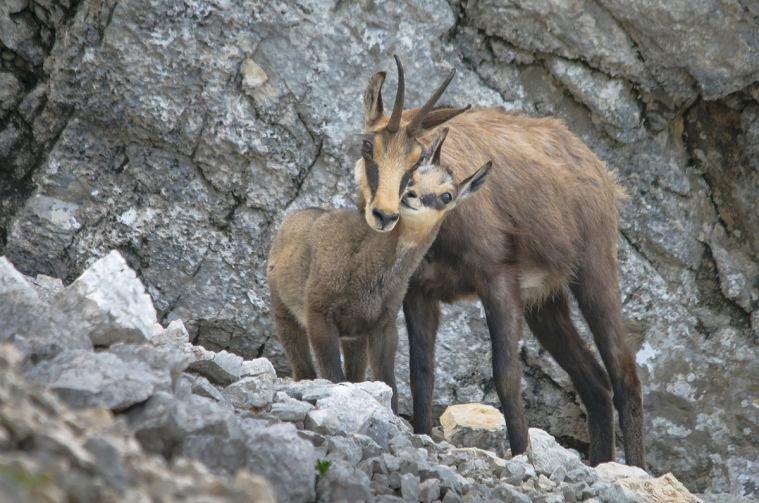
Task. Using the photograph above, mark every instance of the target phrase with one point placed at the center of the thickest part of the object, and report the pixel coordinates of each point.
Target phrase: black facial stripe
(404, 182)
(372, 176)
(428, 200)
(433, 201)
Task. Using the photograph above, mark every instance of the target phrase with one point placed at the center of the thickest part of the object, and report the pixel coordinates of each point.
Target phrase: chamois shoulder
(528, 151)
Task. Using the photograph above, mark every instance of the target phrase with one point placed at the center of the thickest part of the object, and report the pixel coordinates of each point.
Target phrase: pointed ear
(436, 146)
(373, 100)
(437, 118)
(475, 182)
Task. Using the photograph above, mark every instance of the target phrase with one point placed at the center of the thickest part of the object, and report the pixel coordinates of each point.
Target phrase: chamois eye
(446, 197)
(366, 147)
(411, 193)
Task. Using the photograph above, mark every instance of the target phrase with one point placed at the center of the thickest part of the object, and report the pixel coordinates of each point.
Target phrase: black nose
(383, 219)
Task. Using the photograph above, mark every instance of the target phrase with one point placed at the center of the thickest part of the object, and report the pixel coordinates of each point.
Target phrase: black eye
(410, 193)
(366, 147)
(446, 197)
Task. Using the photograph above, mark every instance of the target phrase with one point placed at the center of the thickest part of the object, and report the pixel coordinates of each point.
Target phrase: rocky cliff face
(180, 133)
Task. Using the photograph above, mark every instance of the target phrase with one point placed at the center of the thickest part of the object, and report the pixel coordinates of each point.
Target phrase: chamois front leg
(325, 341)
(504, 312)
(294, 340)
(382, 348)
(422, 318)
(354, 354)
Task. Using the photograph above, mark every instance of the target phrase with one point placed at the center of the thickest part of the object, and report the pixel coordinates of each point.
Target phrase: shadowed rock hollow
(180, 133)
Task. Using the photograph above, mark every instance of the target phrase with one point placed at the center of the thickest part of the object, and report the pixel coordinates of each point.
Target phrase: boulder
(475, 425)
(39, 330)
(284, 459)
(110, 302)
(343, 483)
(83, 379)
(546, 455)
(219, 368)
(250, 392)
(613, 471)
(664, 489)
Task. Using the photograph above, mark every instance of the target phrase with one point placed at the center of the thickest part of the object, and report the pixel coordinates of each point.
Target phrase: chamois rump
(334, 281)
(546, 224)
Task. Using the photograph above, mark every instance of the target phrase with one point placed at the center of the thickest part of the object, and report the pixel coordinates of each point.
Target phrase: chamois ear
(437, 118)
(475, 182)
(373, 109)
(436, 146)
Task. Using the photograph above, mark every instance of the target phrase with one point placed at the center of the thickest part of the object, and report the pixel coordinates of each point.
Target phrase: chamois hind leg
(597, 292)
(422, 318)
(504, 311)
(382, 348)
(294, 340)
(552, 324)
(325, 340)
(354, 354)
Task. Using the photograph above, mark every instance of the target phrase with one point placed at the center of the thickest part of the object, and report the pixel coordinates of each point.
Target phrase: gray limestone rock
(220, 368)
(324, 421)
(111, 302)
(10, 93)
(343, 483)
(182, 136)
(611, 100)
(83, 379)
(250, 392)
(284, 459)
(410, 487)
(547, 456)
(39, 330)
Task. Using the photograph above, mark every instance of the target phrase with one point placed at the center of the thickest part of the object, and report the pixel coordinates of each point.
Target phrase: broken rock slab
(110, 303)
(250, 392)
(284, 459)
(475, 425)
(546, 455)
(665, 489)
(613, 470)
(84, 379)
(38, 330)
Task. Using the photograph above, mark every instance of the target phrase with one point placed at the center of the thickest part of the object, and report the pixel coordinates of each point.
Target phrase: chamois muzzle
(385, 221)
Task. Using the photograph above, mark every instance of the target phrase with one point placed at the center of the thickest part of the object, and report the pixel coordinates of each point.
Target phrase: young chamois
(334, 281)
(545, 225)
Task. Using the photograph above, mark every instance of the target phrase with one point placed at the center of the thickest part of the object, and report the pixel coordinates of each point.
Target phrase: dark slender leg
(552, 325)
(504, 313)
(382, 348)
(422, 318)
(354, 354)
(294, 340)
(597, 292)
(325, 341)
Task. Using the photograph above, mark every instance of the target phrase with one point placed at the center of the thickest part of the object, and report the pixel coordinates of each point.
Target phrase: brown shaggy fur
(334, 281)
(545, 225)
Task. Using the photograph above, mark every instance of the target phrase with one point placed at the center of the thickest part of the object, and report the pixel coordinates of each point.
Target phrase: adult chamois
(545, 225)
(334, 281)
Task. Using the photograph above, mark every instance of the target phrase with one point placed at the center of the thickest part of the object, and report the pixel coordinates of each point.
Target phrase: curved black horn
(395, 119)
(416, 122)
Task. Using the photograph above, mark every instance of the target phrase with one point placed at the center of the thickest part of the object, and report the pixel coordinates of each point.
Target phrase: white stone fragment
(110, 302)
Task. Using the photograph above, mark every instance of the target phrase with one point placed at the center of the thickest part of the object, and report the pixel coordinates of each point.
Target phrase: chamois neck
(404, 247)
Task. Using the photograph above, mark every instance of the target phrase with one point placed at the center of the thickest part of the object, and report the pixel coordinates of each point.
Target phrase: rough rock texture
(52, 453)
(113, 303)
(475, 425)
(182, 133)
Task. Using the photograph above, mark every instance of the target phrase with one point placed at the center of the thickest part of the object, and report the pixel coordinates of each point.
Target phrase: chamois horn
(416, 123)
(395, 118)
